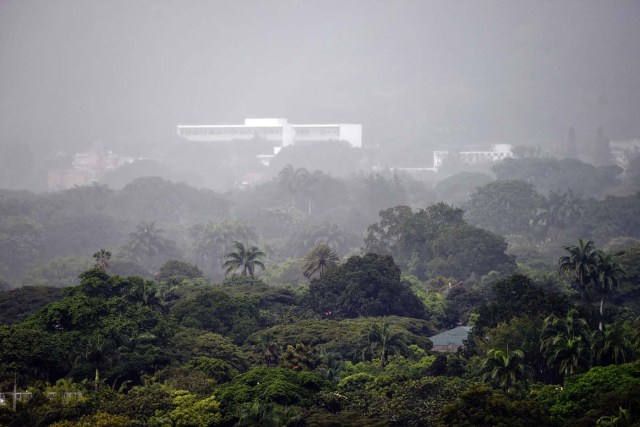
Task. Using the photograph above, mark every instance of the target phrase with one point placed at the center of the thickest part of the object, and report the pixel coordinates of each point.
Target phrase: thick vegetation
(310, 300)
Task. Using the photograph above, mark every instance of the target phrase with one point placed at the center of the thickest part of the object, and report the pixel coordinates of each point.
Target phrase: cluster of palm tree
(591, 268)
(566, 342)
(571, 346)
(298, 181)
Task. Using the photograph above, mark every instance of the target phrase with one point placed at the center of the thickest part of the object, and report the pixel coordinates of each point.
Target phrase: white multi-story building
(278, 131)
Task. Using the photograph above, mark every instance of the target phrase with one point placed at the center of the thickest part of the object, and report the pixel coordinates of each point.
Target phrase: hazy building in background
(278, 132)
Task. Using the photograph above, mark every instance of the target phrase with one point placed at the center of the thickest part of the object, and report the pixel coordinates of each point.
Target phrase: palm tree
(320, 259)
(507, 369)
(246, 259)
(212, 241)
(381, 340)
(144, 291)
(609, 274)
(293, 181)
(270, 351)
(145, 241)
(581, 263)
(565, 342)
(265, 414)
(102, 258)
(615, 345)
(97, 353)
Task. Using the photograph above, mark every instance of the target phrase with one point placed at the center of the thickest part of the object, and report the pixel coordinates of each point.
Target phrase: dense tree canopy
(364, 286)
(436, 241)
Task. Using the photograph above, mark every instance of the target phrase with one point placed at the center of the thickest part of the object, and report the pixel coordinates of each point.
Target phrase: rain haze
(413, 73)
(319, 213)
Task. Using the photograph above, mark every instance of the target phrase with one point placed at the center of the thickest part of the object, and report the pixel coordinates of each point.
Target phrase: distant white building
(278, 131)
(498, 153)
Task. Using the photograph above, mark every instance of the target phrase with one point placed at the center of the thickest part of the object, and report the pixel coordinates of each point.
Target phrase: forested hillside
(311, 300)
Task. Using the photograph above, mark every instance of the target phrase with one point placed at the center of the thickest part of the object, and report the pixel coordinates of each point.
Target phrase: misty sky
(412, 72)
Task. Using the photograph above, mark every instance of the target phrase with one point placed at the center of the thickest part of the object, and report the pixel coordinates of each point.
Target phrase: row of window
(324, 131)
(232, 132)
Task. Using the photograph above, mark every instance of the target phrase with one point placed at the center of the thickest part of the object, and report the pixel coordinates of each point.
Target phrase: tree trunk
(97, 380)
(601, 316)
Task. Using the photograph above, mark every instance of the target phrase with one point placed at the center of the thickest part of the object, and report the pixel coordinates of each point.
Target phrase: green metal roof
(453, 336)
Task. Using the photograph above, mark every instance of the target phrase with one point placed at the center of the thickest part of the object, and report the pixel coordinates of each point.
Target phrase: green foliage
(276, 385)
(549, 174)
(190, 411)
(437, 241)
(515, 296)
(32, 353)
(566, 343)
(177, 271)
(457, 188)
(286, 273)
(481, 406)
(596, 393)
(343, 336)
(506, 369)
(264, 414)
(20, 243)
(215, 368)
(380, 340)
(17, 304)
(364, 286)
(504, 207)
(101, 419)
(60, 272)
(355, 382)
(414, 402)
(300, 357)
(215, 311)
(341, 419)
(195, 343)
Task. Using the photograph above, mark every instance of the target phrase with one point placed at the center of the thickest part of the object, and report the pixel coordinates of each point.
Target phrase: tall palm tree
(98, 352)
(507, 369)
(145, 241)
(320, 259)
(381, 340)
(609, 274)
(102, 258)
(581, 264)
(565, 342)
(246, 259)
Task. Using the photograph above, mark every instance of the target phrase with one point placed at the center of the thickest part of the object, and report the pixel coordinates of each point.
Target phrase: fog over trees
(413, 213)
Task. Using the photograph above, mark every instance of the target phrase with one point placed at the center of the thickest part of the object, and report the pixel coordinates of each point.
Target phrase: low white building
(497, 153)
(278, 131)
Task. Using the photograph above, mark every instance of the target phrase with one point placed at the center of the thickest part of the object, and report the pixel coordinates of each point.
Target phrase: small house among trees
(451, 340)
